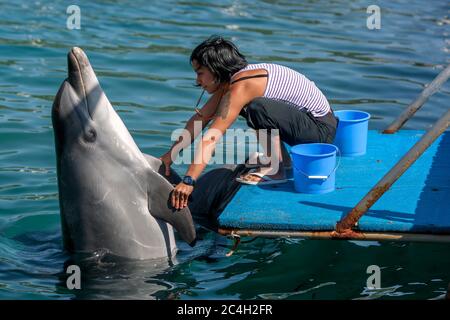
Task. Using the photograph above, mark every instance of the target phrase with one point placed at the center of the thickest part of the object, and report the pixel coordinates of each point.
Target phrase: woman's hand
(167, 160)
(180, 195)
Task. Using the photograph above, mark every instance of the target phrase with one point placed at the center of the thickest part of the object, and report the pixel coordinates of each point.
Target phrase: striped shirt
(293, 87)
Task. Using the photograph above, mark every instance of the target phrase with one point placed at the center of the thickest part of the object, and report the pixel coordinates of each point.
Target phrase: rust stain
(353, 216)
(347, 234)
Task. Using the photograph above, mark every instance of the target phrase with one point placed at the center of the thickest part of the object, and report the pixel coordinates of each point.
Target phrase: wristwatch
(189, 181)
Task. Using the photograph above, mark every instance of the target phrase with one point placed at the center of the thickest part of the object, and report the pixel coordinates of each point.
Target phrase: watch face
(187, 180)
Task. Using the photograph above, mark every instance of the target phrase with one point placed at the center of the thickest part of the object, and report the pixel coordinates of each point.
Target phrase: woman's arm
(226, 113)
(189, 132)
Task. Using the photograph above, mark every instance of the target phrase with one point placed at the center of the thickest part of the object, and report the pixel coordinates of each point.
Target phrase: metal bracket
(237, 240)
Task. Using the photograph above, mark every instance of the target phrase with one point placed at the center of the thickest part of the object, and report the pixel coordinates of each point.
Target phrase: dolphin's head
(110, 197)
(82, 114)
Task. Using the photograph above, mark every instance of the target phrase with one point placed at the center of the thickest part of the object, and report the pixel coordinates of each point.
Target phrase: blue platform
(417, 203)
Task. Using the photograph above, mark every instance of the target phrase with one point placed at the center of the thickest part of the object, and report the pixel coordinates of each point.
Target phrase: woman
(269, 96)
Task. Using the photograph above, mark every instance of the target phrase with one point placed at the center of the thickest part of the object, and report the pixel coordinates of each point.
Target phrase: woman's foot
(258, 159)
(262, 176)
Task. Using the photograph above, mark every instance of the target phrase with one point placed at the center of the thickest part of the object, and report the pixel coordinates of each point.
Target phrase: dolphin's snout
(76, 50)
(81, 76)
(76, 59)
(78, 53)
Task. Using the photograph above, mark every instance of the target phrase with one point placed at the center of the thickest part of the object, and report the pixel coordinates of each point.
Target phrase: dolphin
(113, 197)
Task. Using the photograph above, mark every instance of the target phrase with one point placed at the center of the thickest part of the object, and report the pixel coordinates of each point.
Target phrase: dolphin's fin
(159, 205)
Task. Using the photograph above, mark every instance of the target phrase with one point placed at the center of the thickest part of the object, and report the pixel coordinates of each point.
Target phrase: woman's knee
(256, 114)
(256, 106)
(257, 117)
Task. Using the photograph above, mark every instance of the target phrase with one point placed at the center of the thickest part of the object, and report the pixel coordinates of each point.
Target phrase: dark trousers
(295, 126)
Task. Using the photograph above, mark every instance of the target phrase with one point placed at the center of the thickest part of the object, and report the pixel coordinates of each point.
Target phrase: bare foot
(280, 175)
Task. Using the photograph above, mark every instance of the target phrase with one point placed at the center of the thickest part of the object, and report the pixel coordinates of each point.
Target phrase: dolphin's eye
(90, 135)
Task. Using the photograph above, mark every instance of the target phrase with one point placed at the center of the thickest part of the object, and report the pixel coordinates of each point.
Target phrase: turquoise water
(140, 53)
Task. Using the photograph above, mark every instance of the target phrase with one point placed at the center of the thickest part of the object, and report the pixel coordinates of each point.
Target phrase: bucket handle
(338, 155)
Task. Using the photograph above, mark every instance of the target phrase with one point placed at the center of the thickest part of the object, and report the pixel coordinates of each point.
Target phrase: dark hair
(220, 56)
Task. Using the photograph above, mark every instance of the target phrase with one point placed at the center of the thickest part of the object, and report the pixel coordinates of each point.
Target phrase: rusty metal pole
(396, 172)
(420, 100)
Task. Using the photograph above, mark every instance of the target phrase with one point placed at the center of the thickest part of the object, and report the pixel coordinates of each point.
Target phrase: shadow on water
(105, 276)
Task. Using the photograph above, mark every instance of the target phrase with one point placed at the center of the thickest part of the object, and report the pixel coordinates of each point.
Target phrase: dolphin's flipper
(159, 205)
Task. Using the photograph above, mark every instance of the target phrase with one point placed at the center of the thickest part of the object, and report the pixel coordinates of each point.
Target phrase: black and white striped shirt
(293, 87)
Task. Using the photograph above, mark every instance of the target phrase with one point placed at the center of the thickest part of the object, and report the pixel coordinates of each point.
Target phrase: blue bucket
(314, 167)
(351, 133)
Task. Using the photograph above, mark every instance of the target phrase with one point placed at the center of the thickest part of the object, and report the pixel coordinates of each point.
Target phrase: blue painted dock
(418, 203)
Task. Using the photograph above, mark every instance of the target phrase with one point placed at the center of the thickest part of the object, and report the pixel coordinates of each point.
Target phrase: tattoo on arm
(224, 106)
